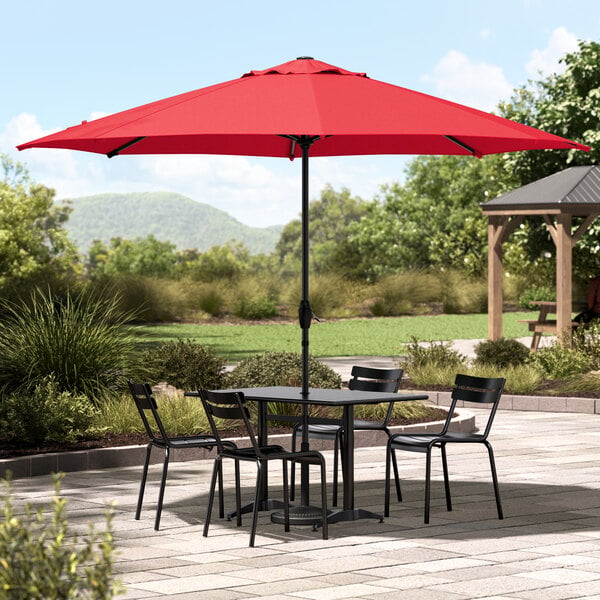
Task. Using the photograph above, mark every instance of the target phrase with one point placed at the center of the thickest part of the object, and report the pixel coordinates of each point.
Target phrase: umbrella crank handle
(306, 315)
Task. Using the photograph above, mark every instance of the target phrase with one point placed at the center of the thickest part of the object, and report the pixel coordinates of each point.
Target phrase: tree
(433, 220)
(226, 261)
(32, 238)
(142, 256)
(330, 217)
(567, 104)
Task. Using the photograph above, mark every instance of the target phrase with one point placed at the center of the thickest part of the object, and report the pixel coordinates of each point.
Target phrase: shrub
(404, 293)
(520, 379)
(183, 364)
(281, 368)
(501, 353)
(255, 308)
(462, 294)
(144, 298)
(559, 362)
(536, 293)
(80, 341)
(46, 415)
(252, 300)
(41, 559)
(587, 341)
(180, 415)
(438, 354)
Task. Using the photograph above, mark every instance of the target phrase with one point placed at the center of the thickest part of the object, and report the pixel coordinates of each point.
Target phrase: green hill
(167, 216)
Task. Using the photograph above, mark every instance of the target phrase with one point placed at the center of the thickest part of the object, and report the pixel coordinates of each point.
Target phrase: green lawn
(352, 337)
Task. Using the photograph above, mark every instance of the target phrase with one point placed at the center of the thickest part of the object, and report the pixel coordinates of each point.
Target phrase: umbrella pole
(305, 310)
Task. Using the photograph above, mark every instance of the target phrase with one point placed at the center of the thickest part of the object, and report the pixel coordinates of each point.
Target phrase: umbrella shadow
(529, 509)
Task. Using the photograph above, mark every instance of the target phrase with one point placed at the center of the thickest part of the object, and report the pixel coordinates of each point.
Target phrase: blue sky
(65, 61)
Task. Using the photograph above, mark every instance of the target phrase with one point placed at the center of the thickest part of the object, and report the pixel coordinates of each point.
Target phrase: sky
(69, 60)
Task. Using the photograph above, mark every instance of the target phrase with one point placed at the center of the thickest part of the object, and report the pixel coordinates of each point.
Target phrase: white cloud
(477, 84)
(545, 62)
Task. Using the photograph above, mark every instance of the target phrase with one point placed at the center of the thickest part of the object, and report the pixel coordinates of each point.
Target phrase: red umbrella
(299, 108)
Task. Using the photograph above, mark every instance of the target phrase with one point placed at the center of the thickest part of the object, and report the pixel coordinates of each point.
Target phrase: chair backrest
(227, 406)
(146, 405)
(483, 390)
(369, 379)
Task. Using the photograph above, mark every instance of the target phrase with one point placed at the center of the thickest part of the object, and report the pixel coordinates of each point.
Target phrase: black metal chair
(468, 389)
(366, 379)
(148, 409)
(232, 406)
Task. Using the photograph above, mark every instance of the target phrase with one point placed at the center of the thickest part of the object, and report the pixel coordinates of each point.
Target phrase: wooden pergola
(574, 192)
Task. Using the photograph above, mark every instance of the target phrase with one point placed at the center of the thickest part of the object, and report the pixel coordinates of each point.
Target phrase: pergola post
(495, 226)
(564, 276)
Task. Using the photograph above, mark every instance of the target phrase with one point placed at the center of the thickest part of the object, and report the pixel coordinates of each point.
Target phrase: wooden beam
(496, 225)
(564, 276)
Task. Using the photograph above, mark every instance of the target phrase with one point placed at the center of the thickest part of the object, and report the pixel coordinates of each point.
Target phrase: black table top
(322, 396)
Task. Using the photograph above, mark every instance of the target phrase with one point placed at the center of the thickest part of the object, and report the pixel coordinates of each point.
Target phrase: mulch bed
(113, 440)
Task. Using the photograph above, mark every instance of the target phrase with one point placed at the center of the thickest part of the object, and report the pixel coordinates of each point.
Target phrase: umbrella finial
(306, 58)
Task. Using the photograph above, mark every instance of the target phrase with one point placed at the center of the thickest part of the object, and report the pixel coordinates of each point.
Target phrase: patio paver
(548, 545)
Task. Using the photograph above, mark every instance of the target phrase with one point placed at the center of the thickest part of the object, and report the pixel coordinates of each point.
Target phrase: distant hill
(167, 216)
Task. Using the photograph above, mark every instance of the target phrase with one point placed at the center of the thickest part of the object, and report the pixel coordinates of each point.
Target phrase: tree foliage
(566, 104)
(330, 218)
(432, 221)
(32, 238)
(143, 256)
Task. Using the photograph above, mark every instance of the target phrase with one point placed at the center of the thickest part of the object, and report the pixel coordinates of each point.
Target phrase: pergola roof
(575, 190)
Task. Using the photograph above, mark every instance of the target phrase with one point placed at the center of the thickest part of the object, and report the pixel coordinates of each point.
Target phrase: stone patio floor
(547, 547)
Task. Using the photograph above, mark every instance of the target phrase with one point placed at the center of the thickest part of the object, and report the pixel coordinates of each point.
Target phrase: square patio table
(347, 399)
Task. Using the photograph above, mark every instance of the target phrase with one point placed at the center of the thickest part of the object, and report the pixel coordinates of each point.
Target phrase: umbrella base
(300, 515)
(313, 515)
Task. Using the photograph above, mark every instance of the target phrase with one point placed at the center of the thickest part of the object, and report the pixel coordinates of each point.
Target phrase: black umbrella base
(313, 515)
(300, 515)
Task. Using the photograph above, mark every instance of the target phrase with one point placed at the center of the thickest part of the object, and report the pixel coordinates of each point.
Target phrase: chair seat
(182, 442)
(369, 425)
(321, 431)
(423, 440)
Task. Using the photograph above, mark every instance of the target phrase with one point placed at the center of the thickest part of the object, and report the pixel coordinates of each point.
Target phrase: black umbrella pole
(305, 311)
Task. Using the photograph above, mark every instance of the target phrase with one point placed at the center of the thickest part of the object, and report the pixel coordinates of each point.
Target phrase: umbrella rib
(462, 145)
(118, 150)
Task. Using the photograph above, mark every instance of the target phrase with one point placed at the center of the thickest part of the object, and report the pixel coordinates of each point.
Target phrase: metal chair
(366, 379)
(232, 406)
(468, 389)
(148, 409)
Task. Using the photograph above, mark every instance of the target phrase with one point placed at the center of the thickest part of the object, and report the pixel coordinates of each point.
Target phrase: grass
(352, 337)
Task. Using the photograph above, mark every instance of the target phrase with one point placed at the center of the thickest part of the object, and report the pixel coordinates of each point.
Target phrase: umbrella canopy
(300, 108)
(342, 112)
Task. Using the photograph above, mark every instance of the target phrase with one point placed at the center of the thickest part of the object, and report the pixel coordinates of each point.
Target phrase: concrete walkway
(547, 547)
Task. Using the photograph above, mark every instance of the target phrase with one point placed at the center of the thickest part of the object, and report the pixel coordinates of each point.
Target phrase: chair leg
(143, 483)
(389, 452)
(221, 498)
(286, 497)
(495, 480)
(324, 500)
(238, 495)
(211, 494)
(336, 452)
(396, 477)
(293, 470)
(261, 469)
(427, 485)
(446, 479)
(161, 493)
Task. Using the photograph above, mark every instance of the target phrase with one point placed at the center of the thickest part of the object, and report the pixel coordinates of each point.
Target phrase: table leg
(348, 512)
